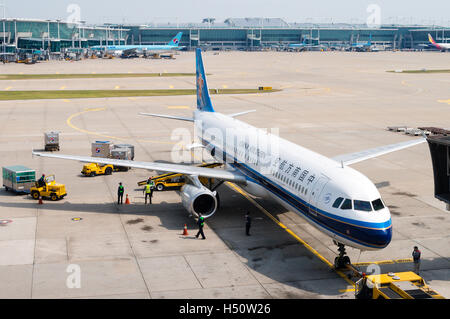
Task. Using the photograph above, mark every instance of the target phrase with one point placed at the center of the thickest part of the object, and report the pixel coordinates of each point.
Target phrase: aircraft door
(316, 191)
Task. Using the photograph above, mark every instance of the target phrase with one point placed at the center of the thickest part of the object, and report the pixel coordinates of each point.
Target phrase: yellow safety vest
(147, 188)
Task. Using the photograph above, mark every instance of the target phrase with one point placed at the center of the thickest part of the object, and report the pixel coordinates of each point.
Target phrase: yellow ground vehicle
(175, 180)
(93, 169)
(50, 189)
(401, 285)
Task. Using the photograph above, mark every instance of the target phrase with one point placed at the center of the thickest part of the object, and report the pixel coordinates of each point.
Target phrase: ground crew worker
(148, 190)
(41, 181)
(120, 192)
(201, 223)
(248, 223)
(416, 258)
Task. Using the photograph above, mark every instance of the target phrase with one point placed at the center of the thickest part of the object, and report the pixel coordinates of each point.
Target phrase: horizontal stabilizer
(194, 146)
(241, 113)
(180, 118)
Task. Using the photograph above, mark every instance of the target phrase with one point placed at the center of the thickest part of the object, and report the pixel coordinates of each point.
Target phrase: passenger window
(337, 202)
(347, 204)
(377, 204)
(362, 205)
(306, 191)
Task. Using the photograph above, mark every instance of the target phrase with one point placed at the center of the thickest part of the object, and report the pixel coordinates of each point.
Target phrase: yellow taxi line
(290, 232)
(71, 117)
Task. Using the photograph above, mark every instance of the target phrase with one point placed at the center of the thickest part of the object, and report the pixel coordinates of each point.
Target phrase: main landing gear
(342, 260)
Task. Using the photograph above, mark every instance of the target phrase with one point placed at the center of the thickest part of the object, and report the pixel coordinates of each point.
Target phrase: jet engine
(199, 199)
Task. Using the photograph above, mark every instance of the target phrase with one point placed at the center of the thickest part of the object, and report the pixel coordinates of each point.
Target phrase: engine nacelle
(198, 199)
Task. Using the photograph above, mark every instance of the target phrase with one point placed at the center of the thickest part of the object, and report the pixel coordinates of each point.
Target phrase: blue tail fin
(203, 99)
(176, 40)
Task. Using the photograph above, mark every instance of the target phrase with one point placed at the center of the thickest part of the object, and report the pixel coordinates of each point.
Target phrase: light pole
(4, 31)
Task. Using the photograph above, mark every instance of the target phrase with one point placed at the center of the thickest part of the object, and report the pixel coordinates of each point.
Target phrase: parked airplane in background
(304, 46)
(336, 199)
(362, 46)
(129, 49)
(439, 46)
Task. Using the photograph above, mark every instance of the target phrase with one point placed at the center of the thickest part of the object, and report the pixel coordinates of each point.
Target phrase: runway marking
(132, 98)
(290, 232)
(385, 262)
(62, 87)
(224, 86)
(178, 107)
(86, 110)
(444, 101)
(171, 86)
(347, 290)
(8, 88)
(67, 101)
(116, 87)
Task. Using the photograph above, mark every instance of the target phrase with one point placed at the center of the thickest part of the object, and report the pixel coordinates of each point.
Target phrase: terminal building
(234, 33)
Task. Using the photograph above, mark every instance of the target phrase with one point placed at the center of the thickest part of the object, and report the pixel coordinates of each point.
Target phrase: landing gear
(342, 260)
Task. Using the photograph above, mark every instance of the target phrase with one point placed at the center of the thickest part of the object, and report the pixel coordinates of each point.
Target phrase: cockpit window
(362, 205)
(347, 204)
(377, 204)
(337, 202)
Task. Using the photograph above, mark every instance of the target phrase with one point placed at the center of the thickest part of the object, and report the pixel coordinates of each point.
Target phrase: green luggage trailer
(18, 178)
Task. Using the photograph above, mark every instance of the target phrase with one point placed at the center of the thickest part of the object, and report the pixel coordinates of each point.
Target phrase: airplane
(173, 45)
(362, 46)
(336, 199)
(439, 46)
(303, 46)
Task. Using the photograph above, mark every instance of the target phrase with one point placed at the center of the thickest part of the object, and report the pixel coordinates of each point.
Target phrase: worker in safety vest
(120, 192)
(148, 191)
(201, 223)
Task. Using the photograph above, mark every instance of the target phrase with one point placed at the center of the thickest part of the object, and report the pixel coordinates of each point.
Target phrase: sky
(157, 11)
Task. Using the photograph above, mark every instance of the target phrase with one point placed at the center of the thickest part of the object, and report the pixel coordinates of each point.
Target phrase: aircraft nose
(383, 237)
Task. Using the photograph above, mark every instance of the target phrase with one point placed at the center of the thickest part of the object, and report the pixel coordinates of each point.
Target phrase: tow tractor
(173, 181)
(399, 285)
(93, 169)
(50, 189)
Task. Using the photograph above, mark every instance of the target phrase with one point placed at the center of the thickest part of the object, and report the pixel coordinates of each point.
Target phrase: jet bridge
(440, 157)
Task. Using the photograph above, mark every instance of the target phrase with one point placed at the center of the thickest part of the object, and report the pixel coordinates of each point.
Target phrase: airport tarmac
(331, 102)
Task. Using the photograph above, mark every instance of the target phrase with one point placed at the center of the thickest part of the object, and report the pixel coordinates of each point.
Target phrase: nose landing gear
(342, 260)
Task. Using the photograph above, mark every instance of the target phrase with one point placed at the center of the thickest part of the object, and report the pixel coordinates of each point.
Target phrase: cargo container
(101, 149)
(129, 146)
(51, 140)
(18, 178)
(122, 154)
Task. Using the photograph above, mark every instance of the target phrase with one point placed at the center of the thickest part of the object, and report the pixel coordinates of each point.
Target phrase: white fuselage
(301, 180)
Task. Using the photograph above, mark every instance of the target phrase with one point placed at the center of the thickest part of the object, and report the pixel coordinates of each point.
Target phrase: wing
(165, 167)
(353, 158)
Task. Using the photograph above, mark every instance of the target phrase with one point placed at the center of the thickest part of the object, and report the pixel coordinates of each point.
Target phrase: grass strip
(89, 94)
(88, 76)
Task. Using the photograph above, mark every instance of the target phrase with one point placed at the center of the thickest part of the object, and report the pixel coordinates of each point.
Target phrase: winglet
(203, 99)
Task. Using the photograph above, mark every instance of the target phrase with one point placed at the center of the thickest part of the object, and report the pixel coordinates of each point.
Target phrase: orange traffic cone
(40, 201)
(127, 201)
(185, 233)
